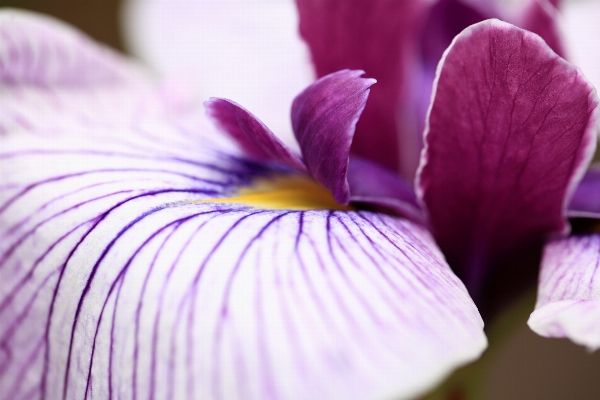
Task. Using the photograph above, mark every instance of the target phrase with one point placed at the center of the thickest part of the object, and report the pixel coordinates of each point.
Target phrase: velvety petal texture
(379, 37)
(568, 302)
(510, 132)
(120, 279)
(324, 117)
(255, 139)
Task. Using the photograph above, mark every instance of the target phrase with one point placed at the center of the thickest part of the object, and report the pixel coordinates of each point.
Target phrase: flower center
(284, 192)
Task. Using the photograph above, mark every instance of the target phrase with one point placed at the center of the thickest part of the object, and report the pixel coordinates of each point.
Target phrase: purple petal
(541, 17)
(446, 19)
(581, 29)
(118, 280)
(377, 37)
(586, 199)
(372, 185)
(568, 303)
(255, 139)
(323, 117)
(511, 130)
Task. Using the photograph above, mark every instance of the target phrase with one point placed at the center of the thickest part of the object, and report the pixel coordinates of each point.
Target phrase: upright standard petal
(120, 279)
(256, 140)
(510, 131)
(568, 302)
(324, 117)
(379, 37)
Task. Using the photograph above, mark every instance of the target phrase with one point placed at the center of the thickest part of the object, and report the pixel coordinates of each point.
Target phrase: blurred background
(528, 367)
(99, 18)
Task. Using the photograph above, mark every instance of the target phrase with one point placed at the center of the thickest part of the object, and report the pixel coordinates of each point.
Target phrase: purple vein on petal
(224, 307)
(256, 140)
(120, 277)
(324, 117)
(158, 315)
(510, 132)
(96, 222)
(189, 296)
(119, 280)
(568, 299)
(175, 224)
(88, 284)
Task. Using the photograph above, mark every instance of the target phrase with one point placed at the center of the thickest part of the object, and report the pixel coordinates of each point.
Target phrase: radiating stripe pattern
(116, 282)
(568, 303)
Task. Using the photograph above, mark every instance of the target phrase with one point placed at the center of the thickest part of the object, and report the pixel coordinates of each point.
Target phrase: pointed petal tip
(254, 138)
(324, 118)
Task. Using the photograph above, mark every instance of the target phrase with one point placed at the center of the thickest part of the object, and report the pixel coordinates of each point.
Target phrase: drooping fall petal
(568, 303)
(324, 117)
(510, 131)
(256, 140)
(378, 37)
(119, 278)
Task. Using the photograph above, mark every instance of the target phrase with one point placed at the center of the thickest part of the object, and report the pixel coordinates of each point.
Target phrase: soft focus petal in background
(242, 50)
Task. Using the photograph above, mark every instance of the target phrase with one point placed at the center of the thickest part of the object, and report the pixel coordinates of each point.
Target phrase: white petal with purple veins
(118, 280)
(568, 304)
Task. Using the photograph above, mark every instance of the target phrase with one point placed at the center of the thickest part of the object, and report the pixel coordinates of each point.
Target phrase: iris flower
(151, 252)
